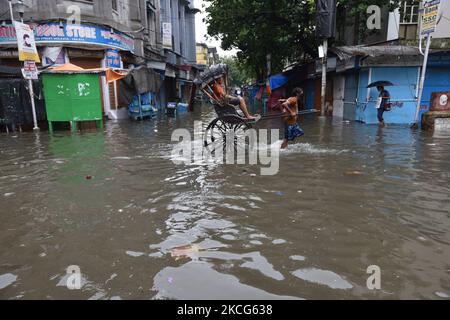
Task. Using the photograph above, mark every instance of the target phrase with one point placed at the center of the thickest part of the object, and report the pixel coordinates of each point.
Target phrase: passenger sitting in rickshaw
(221, 95)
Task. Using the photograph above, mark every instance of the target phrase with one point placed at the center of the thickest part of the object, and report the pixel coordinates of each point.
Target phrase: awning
(279, 80)
(69, 68)
(156, 65)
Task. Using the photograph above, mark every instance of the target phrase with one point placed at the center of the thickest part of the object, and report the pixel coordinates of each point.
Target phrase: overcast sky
(201, 30)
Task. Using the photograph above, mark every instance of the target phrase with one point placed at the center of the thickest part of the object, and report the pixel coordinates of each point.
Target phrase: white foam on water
(135, 254)
(307, 148)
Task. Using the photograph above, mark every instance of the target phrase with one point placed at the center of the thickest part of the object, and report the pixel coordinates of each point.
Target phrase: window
(114, 5)
(409, 12)
(409, 19)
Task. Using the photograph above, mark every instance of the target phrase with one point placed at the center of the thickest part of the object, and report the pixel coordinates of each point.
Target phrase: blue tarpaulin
(278, 81)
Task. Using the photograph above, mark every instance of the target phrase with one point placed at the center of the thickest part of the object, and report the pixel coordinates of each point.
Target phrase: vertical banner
(26, 43)
(167, 35)
(430, 16)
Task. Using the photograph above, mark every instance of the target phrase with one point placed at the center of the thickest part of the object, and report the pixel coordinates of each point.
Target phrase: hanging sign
(113, 59)
(29, 70)
(25, 42)
(430, 16)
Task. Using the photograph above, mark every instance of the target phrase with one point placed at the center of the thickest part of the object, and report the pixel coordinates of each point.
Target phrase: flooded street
(112, 202)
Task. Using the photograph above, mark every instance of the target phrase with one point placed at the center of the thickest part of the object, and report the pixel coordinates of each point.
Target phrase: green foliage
(282, 28)
(238, 74)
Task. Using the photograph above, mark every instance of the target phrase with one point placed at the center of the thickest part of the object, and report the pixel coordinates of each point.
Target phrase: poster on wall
(167, 35)
(54, 56)
(26, 43)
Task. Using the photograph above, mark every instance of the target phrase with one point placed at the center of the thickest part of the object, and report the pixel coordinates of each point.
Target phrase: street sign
(25, 42)
(29, 70)
(430, 16)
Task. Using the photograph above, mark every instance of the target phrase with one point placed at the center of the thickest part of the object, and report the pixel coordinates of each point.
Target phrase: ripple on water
(7, 279)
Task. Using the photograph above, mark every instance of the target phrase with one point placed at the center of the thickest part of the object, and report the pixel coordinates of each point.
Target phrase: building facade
(206, 55)
(390, 53)
(178, 42)
(119, 34)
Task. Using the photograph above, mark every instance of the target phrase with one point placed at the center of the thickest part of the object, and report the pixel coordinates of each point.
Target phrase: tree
(285, 29)
(238, 74)
(282, 28)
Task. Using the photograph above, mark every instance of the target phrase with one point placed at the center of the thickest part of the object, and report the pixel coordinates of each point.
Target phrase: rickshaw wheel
(217, 131)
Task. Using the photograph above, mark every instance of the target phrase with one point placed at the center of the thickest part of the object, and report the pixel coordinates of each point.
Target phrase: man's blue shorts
(292, 131)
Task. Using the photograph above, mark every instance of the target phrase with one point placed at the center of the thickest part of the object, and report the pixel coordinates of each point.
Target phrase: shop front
(87, 46)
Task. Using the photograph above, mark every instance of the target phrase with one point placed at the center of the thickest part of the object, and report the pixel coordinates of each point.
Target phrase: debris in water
(354, 173)
(134, 254)
(184, 251)
(297, 258)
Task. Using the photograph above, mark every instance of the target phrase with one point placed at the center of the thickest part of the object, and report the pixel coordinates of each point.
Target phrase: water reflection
(141, 227)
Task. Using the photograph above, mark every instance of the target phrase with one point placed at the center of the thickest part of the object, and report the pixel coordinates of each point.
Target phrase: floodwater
(347, 196)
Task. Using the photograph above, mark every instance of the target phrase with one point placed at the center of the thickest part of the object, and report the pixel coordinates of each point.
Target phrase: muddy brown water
(112, 202)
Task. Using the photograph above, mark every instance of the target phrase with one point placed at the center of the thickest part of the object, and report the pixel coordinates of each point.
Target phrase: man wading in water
(291, 130)
(383, 104)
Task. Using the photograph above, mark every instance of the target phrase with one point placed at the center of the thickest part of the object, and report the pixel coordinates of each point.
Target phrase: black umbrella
(380, 84)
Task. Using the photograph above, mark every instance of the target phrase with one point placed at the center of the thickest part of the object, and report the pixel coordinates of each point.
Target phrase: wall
(404, 92)
(443, 27)
(437, 80)
(338, 96)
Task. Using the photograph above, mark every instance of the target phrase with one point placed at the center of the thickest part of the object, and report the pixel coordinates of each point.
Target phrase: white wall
(443, 26)
(338, 96)
(394, 25)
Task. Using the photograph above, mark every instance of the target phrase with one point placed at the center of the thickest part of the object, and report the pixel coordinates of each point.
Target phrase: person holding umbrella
(384, 97)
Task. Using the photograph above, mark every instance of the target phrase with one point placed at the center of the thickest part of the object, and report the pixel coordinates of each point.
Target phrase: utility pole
(21, 11)
(422, 79)
(324, 76)
(325, 30)
(428, 22)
